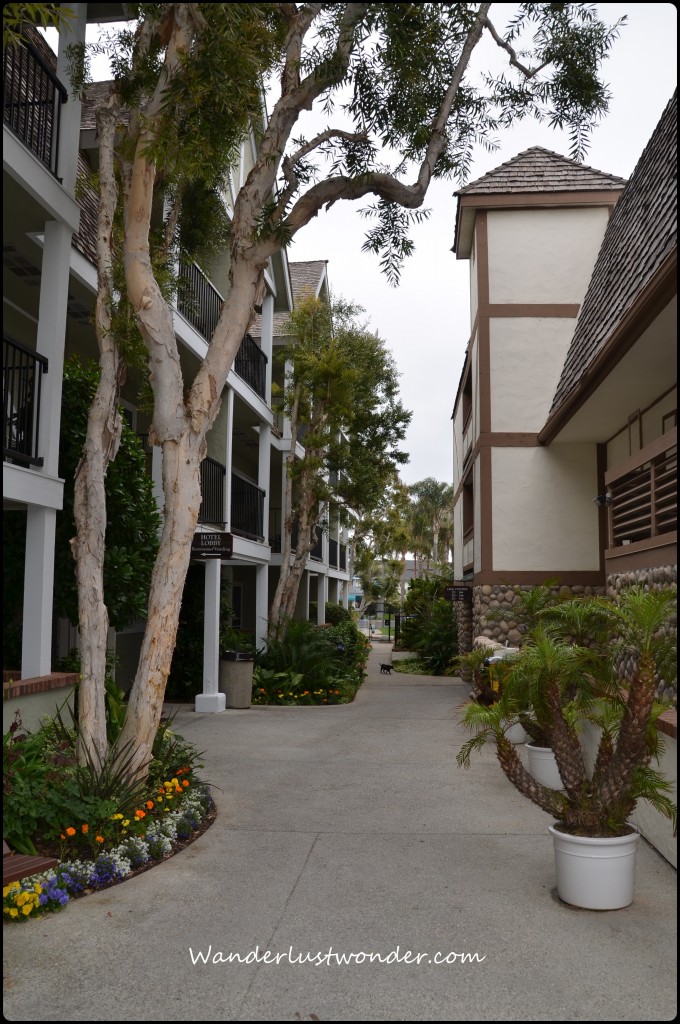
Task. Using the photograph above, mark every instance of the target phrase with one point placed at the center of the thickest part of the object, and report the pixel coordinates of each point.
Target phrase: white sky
(425, 321)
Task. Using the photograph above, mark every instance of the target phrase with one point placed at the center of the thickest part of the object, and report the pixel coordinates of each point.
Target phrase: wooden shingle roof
(306, 278)
(540, 170)
(640, 236)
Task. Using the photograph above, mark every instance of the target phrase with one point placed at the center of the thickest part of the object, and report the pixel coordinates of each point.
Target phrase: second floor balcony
(643, 508)
(22, 373)
(247, 501)
(32, 99)
(200, 303)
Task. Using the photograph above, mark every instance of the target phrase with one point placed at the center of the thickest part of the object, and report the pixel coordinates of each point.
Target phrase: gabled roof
(540, 170)
(535, 177)
(306, 278)
(640, 239)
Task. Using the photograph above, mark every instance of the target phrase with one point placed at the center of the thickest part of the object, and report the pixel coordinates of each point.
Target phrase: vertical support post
(36, 656)
(211, 699)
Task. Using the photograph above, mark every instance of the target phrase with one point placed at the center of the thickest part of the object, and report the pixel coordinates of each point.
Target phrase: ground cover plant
(308, 664)
(101, 826)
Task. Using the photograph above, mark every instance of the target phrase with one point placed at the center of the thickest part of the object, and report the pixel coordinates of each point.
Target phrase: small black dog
(385, 669)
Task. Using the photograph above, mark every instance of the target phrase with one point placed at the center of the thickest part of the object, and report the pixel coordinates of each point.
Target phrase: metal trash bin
(236, 678)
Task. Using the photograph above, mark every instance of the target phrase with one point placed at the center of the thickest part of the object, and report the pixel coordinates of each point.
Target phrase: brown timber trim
(551, 311)
(532, 578)
(483, 339)
(650, 451)
(497, 439)
(603, 511)
(649, 304)
(507, 200)
(659, 398)
(486, 504)
(651, 553)
(466, 363)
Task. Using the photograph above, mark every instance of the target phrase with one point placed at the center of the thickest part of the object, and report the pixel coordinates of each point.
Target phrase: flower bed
(151, 835)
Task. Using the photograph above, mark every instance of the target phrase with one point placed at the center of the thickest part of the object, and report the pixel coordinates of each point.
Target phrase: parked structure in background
(49, 284)
(565, 422)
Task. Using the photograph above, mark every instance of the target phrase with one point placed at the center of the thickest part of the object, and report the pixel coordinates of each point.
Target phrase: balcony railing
(22, 372)
(343, 557)
(251, 366)
(247, 508)
(644, 501)
(317, 551)
(333, 553)
(32, 98)
(198, 300)
(201, 304)
(212, 492)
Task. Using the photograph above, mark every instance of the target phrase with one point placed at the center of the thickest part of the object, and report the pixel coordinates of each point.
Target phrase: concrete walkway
(351, 828)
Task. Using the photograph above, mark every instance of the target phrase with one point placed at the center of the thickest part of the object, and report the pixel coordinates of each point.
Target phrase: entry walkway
(350, 829)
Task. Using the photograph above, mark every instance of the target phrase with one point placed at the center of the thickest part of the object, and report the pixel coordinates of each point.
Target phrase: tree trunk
(104, 429)
(181, 481)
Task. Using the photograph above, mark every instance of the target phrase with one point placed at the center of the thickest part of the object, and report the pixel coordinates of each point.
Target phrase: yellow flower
(21, 899)
(14, 912)
(126, 823)
(27, 908)
(116, 817)
(38, 887)
(6, 891)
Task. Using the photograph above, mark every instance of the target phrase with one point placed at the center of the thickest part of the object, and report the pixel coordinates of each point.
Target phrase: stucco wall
(544, 518)
(34, 707)
(543, 255)
(527, 356)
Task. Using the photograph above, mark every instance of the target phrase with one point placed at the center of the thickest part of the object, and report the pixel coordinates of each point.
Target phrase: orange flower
(85, 829)
(62, 836)
(70, 831)
(149, 804)
(99, 839)
(140, 814)
(185, 782)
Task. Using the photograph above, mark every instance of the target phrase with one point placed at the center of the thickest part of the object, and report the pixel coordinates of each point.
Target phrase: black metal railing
(22, 372)
(343, 556)
(333, 553)
(247, 508)
(32, 99)
(212, 492)
(198, 300)
(317, 551)
(251, 365)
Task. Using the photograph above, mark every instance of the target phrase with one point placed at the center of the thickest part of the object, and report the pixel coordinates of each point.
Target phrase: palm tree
(433, 509)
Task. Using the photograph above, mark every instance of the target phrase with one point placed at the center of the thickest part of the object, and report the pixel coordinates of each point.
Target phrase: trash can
(236, 678)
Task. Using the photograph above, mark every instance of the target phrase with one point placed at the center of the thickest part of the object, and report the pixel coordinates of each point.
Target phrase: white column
(71, 32)
(261, 604)
(321, 598)
(36, 656)
(229, 427)
(211, 699)
(51, 337)
(263, 471)
(266, 341)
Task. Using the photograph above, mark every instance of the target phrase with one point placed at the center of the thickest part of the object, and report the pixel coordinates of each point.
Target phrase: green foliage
(133, 519)
(45, 15)
(186, 670)
(428, 625)
(555, 685)
(307, 664)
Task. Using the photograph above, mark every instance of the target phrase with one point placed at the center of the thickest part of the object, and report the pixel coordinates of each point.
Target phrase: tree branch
(514, 60)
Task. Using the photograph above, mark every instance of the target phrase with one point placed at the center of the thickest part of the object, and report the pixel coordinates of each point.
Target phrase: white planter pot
(543, 766)
(596, 874)
(516, 733)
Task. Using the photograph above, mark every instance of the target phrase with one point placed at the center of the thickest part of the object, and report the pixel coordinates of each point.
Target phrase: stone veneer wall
(652, 579)
(501, 596)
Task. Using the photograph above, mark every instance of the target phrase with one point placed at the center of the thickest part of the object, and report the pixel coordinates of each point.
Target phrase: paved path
(351, 827)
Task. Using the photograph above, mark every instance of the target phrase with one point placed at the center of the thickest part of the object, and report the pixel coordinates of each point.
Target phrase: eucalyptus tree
(189, 77)
(343, 389)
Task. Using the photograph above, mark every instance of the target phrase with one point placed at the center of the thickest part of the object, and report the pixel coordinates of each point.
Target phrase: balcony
(200, 303)
(211, 511)
(32, 99)
(333, 553)
(644, 505)
(22, 372)
(247, 508)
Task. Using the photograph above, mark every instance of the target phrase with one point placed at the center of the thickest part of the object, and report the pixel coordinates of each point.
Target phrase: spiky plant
(566, 684)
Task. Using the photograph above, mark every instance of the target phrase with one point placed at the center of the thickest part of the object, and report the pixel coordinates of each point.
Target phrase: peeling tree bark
(104, 428)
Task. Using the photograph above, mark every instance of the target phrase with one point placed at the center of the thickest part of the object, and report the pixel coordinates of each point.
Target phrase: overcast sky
(426, 320)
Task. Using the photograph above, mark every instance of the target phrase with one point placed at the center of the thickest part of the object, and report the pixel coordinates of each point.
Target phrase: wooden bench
(16, 866)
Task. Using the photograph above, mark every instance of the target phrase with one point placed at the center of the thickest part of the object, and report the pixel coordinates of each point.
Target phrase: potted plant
(567, 672)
